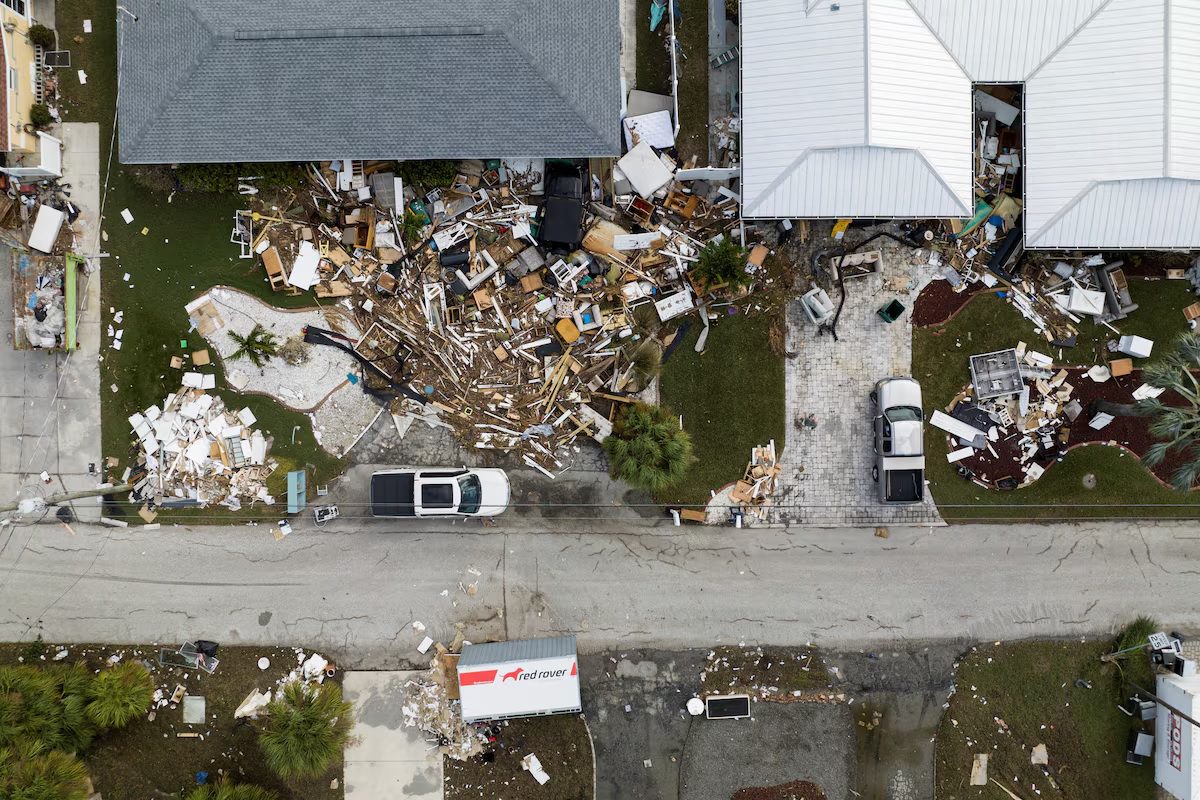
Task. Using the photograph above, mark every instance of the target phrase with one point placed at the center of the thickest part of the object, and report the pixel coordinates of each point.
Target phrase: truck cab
(899, 441)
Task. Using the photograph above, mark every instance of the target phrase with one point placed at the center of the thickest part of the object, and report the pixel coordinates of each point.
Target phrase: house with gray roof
(300, 80)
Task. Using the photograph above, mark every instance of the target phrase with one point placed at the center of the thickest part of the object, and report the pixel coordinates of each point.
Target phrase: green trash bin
(892, 311)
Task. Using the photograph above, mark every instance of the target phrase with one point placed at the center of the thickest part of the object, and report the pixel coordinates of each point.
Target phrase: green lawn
(941, 357)
(654, 71)
(1159, 318)
(186, 250)
(731, 399)
(1031, 687)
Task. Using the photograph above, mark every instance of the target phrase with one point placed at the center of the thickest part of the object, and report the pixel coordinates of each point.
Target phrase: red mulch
(1131, 432)
(938, 302)
(796, 790)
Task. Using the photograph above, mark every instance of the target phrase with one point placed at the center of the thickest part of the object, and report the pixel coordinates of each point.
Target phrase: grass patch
(1159, 318)
(731, 399)
(185, 251)
(145, 759)
(561, 743)
(654, 71)
(1031, 687)
(941, 362)
(764, 671)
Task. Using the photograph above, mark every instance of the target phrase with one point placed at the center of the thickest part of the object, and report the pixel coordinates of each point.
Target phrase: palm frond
(1184, 478)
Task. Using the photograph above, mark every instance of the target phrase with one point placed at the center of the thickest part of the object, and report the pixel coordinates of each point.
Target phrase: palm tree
(31, 771)
(257, 345)
(227, 790)
(647, 448)
(119, 694)
(1177, 426)
(306, 730)
(722, 263)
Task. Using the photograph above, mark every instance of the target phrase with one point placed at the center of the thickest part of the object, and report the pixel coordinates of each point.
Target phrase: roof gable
(865, 83)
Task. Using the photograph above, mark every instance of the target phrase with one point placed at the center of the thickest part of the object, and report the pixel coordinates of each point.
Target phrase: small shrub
(226, 790)
(39, 116)
(41, 36)
(1135, 665)
(428, 174)
(647, 448)
(294, 351)
(722, 262)
(119, 694)
(34, 650)
(307, 728)
(31, 771)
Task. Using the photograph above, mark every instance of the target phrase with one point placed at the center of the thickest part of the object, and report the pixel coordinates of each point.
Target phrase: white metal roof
(842, 105)
(1005, 41)
(866, 111)
(1112, 128)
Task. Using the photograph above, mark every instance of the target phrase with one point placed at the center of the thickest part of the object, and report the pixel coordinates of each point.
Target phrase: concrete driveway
(386, 759)
(828, 455)
(50, 402)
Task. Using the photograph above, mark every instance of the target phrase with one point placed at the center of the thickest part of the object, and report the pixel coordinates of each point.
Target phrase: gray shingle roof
(297, 80)
(517, 650)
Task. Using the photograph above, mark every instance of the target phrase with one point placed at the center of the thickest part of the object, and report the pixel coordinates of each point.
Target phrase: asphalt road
(355, 593)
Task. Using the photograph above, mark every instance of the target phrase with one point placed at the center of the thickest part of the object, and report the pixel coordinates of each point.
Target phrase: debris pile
(754, 491)
(1018, 414)
(519, 302)
(192, 451)
(430, 705)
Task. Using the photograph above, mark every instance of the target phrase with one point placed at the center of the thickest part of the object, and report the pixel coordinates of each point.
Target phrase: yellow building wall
(19, 56)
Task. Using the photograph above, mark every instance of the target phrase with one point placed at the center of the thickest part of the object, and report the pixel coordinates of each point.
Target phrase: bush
(47, 705)
(647, 448)
(119, 694)
(722, 262)
(1134, 666)
(39, 116)
(307, 728)
(41, 36)
(223, 178)
(428, 174)
(34, 772)
(226, 790)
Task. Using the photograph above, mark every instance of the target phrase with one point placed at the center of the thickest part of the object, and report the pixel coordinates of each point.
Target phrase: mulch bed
(796, 790)
(562, 745)
(938, 302)
(1129, 432)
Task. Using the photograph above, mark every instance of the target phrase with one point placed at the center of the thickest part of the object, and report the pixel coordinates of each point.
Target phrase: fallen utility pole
(35, 504)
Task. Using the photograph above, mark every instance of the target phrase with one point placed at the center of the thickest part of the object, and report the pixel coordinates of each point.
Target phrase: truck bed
(392, 495)
(905, 485)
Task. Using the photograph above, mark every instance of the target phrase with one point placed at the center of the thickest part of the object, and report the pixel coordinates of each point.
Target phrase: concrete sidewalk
(386, 759)
(50, 402)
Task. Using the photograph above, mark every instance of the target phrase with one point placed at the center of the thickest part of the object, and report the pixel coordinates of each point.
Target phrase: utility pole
(36, 505)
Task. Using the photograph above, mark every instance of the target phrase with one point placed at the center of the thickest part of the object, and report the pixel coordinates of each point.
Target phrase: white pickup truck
(439, 492)
(899, 441)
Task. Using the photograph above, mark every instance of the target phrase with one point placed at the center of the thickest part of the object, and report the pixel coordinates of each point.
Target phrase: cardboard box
(1120, 366)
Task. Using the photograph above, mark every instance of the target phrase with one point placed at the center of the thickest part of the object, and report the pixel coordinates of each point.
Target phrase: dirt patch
(147, 759)
(562, 745)
(769, 673)
(796, 790)
(938, 302)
